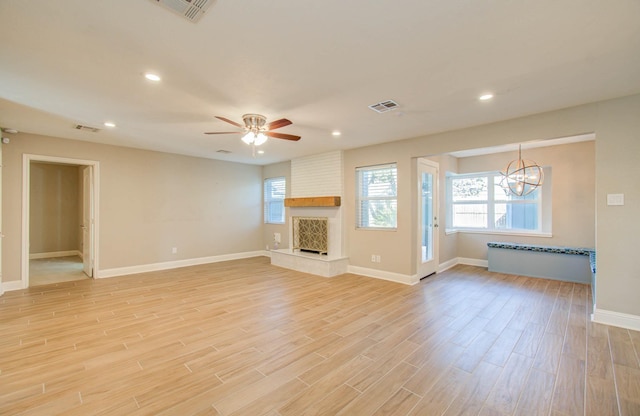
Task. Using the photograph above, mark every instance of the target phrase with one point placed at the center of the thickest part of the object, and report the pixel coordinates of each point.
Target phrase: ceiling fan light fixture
(249, 138)
(260, 139)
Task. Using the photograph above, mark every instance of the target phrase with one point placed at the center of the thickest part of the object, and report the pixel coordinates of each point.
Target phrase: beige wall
(618, 227)
(149, 203)
(54, 215)
(274, 171)
(572, 185)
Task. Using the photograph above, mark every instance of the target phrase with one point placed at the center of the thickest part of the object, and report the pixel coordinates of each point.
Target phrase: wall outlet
(174, 250)
(377, 258)
(277, 238)
(373, 258)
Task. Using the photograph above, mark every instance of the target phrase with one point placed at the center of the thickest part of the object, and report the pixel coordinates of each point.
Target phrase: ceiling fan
(256, 130)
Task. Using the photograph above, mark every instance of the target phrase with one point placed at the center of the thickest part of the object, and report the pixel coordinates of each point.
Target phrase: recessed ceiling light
(109, 124)
(152, 77)
(335, 133)
(485, 97)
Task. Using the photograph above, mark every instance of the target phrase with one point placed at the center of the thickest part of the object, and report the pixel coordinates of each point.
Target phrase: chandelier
(521, 177)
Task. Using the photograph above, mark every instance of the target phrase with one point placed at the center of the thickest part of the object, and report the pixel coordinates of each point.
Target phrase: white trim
(449, 231)
(381, 274)
(622, 320)
(54, 254)
(12, 285)
(143, 268)
(448, 264)
(26, 179)
(473, 262)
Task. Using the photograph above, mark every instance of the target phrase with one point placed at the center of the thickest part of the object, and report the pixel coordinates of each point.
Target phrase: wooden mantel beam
(314, 201)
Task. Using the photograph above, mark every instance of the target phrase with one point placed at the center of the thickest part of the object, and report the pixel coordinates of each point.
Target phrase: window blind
(274, 193)
(377, 196)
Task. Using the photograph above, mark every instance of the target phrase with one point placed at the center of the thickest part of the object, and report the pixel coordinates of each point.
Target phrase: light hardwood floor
(247, 338)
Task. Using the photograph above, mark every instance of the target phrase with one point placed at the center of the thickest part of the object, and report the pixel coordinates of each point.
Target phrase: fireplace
(310, 234)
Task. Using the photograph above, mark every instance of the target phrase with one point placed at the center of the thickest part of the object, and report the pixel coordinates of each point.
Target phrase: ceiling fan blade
(230, 122)
(278, 123)
(222, 132)
(282, 136)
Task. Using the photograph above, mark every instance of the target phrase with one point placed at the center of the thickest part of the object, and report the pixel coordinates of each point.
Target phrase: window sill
(449, 231)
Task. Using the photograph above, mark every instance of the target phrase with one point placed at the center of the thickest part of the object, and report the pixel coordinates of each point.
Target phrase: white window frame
(269, 199)
(544, 211)
(361, 223)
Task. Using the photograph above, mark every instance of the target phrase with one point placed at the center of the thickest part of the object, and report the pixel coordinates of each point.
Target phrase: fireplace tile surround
(332, 263)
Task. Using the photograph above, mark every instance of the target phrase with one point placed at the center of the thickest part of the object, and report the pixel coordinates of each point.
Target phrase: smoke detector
(191, 10)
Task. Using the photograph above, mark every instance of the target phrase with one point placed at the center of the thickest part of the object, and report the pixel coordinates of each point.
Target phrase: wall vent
(86, 128)
(384, 106)
(191, 10)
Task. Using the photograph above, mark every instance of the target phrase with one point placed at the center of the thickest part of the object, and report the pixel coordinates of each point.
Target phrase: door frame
(436, 214)
(26, 200)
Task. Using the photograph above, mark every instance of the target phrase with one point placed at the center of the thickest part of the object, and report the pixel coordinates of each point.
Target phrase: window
(478, 202)
(274, 191)
(377, 197)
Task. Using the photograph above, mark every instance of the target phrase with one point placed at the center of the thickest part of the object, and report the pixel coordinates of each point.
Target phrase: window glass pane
(471, 205)
(274, 193)
(502, 194)
(377, 196)
(516, 216)
(469, 215)
(469, 189)
(379, 213)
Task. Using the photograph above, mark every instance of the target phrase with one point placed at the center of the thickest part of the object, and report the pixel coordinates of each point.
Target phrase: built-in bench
(550, 262)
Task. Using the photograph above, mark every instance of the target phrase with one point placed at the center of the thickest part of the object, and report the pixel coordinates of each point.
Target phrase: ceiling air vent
(384, 106)
(191, 10)
(86, 128)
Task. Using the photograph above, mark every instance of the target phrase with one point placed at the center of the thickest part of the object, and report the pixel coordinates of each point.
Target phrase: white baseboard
(473, 262)
(447, 264)
(623, 320)
(53, 254)
(412, 280)
(143, 268)
(12, 285)
(381, 274)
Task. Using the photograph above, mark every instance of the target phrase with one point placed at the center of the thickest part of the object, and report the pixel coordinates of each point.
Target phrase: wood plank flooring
(247, 338)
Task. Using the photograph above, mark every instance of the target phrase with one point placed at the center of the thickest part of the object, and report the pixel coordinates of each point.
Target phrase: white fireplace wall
(318, 175)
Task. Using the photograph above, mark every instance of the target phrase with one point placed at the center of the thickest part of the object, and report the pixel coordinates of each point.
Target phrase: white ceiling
(319, 64)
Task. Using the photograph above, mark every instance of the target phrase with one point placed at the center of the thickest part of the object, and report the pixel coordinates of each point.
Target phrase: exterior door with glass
(427, 243)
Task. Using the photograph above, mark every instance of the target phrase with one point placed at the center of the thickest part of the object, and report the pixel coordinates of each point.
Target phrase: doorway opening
(59, 219)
